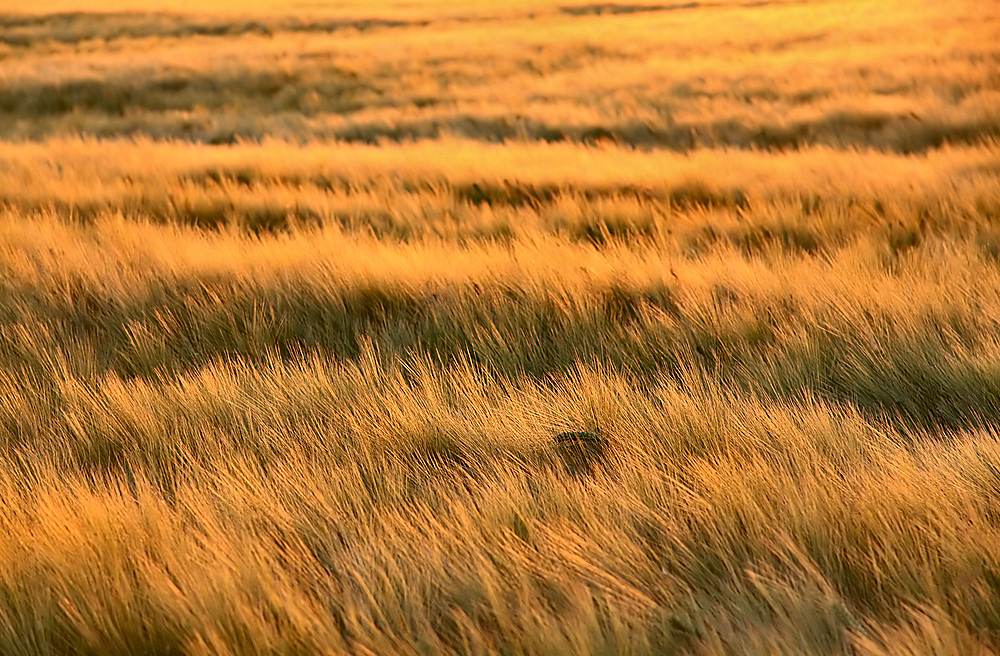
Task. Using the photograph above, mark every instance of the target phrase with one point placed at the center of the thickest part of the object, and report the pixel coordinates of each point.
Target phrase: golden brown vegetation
(293, 305)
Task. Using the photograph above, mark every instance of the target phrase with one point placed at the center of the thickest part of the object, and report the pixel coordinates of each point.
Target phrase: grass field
(295, 300)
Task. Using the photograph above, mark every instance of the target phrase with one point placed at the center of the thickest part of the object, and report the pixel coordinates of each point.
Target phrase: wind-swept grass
(678, 76)
(316, 437)
(384, 507)
(649, 328)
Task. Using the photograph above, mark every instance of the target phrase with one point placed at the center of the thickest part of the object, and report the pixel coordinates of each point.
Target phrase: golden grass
(294, 304)
(902, 76)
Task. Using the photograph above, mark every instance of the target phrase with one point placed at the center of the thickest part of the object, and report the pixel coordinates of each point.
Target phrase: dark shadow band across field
(251, 91)
(624, 8)
(254, 105)
(935, 371)
(28, 30)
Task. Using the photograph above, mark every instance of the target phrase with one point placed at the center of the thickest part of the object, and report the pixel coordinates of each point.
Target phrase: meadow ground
(294, 301)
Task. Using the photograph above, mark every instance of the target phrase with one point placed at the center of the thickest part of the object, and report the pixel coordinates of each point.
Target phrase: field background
(295, 298)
